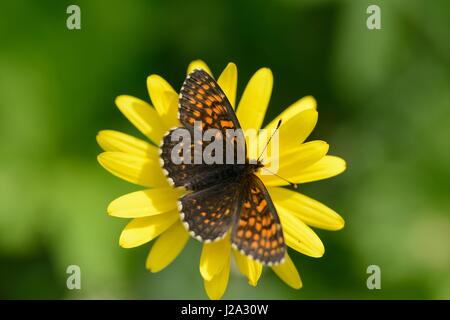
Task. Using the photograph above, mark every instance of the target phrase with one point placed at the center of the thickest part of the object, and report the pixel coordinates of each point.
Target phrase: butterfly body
(223, 198)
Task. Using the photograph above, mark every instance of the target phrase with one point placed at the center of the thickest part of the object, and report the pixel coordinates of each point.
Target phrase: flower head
(153, 211)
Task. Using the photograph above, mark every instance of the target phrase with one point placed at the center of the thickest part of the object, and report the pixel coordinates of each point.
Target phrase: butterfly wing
(203, 101)
(208, 214)
(257, 232)
(183, 172)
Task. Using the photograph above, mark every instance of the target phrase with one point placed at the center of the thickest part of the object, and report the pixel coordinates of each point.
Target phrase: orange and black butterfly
(222, 197)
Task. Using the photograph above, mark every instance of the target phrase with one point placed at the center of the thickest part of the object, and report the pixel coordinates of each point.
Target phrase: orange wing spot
(191, 121)
(274, 244)
(208, 120)
(217, 97)
(264, 233)
(262, 205)
(264, 220)
(226, 123)
(248, 234)
(254, 245)
(205, 86)
(267, 245)
(209, 112)
(247, 204)
(242, 223)
(273, 229)
(251, 221)
(217, 109)
(196, 113)
(199, 105)
(203, 214)
(192, 100)
(206, 221)
(266, 254)
(260, 251)
(256, 237)
(208, 103)
(262, 242)
(201, 91)
(258, 226)
(240, 233)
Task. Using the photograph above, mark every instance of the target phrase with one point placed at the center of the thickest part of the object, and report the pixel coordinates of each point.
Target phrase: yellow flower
(154, 211)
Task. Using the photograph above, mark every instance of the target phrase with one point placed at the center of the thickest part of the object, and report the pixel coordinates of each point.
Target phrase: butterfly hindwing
(179, 166)
(208, 214)
(257, 232)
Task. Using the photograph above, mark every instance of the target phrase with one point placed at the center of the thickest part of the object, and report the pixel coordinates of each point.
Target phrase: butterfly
(222, 198)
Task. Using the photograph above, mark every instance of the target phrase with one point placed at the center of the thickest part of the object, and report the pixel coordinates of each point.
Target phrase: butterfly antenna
(268, 141)
(291, 183)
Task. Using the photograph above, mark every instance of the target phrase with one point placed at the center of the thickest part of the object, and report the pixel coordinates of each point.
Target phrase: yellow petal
(142, 230)
(297, 107)
(110, 140)
(215, 288)
(135, 169)
(212, 259)
(288, 273)
(248, 267)
(255, 99)
(145, 203)
(228, 82)
(298, 235)
(167, 247)
(327, 167)
(292, 131)
(143, 116)
(164, 99)
(292, 160)
(308, 210)
(198, 64)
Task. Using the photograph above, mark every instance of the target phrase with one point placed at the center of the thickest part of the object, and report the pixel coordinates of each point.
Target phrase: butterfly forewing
(257, 231)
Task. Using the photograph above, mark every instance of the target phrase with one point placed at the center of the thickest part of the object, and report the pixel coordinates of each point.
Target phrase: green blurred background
(384, 105)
